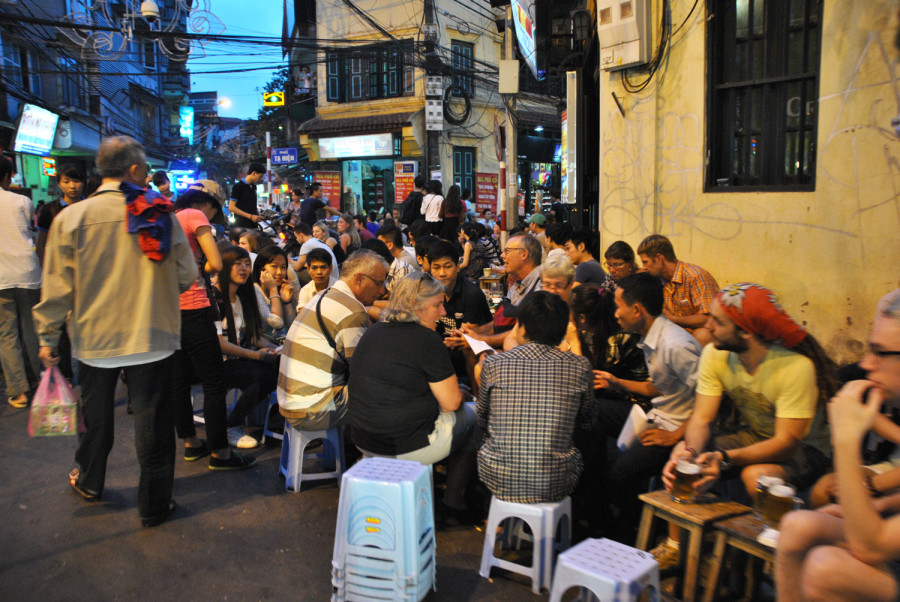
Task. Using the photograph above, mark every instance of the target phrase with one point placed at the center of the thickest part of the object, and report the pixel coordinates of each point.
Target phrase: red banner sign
(404, 180)
(487, 186)
(331, 187)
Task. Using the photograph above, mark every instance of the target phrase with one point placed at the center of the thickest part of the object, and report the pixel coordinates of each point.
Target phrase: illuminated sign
(523, 11)
(48, 166)
(186, 121)
(273, 99)
(370, 145)
(37, 128)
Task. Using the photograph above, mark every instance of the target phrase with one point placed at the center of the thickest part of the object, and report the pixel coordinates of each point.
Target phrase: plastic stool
(384, 545)
(293, 447)
(543, 519)
(273, 401)
(610, 570)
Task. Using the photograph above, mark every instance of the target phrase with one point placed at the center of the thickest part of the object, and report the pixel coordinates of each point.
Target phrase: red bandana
(755, 308)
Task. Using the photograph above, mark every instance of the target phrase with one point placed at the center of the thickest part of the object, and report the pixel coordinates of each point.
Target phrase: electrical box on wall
(623, 28)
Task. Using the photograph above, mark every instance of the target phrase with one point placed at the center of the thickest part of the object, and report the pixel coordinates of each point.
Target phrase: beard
(734, 344)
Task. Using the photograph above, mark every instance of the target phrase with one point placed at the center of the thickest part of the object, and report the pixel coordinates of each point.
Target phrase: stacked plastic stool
(384, 544)
(293, 448)
(544, 520)
(610, 570)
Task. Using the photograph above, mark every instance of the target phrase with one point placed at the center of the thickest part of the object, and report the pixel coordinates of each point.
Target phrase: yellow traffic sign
(273, 99)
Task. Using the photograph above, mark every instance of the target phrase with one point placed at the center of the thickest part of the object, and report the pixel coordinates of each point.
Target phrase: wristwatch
(725, 464)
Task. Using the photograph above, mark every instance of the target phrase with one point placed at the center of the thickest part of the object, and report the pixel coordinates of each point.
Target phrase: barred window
(763, 86)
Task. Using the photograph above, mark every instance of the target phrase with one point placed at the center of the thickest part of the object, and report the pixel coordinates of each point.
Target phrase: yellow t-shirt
(784, 386)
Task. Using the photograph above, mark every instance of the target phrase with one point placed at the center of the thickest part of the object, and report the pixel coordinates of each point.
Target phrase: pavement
(234, 536)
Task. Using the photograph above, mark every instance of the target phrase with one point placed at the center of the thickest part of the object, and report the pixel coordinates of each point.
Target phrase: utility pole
(431, 154)
(512, 159)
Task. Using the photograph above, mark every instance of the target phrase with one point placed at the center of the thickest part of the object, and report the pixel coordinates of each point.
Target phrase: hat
(538, 218)
(216, 196)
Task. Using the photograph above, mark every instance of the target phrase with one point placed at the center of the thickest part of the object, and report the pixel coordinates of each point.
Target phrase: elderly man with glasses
(314, 371)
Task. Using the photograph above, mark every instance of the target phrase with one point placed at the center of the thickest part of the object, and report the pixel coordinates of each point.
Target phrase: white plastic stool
(610, 570)
(293, 447)
(384, 543)
(543, 520)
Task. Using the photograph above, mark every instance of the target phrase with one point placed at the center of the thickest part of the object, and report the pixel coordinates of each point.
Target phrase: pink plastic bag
(54, 409)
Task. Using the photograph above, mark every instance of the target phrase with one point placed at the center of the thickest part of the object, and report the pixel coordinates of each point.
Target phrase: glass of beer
(780, 499)
(687, 472)
(763, 483)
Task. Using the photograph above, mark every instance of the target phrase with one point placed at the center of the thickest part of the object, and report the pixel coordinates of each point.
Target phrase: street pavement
(235, 535)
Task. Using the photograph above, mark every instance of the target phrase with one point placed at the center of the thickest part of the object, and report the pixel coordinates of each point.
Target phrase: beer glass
(763, 483)
(780, 500)
(687, 472)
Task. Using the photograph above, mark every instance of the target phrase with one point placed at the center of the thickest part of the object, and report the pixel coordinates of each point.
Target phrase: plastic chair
(273, 401)
(384, 545)
(543, 520)
(610, 570)
(293, 448)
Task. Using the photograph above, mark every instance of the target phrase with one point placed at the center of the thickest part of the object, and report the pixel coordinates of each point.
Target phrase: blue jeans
(150, 392)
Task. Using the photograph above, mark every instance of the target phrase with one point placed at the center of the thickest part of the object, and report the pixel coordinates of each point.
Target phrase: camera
(150, 10)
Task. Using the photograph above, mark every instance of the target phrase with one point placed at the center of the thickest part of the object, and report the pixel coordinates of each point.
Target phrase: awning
(319, 126)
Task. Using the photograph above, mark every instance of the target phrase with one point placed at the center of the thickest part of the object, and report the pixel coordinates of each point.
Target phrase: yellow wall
(829, 254)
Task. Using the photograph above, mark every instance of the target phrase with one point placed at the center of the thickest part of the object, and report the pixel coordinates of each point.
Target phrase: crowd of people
(377, 325)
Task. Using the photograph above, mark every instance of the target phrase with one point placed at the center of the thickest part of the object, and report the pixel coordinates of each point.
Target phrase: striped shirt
(312, 375)
(690, 291)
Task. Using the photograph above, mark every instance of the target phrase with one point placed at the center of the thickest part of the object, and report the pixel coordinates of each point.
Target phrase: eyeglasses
(378, 283)
(881, 353)
(507, 249)
(614, 266)
(425, 276)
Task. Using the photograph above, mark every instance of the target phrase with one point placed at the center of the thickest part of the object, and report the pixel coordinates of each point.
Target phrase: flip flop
(87, 494)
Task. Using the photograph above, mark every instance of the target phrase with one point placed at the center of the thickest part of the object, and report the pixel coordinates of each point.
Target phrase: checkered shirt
(690, 291)
(530, 401)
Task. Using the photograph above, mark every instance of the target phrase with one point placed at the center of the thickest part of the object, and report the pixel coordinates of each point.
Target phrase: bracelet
(726, 460)
(274, 296)
(691, 451)
(871, 486)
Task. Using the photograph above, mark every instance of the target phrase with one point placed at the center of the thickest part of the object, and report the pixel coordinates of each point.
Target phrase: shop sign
(186, 123)
(37, 129)
(404, 180)
(331, 187)
(370, 145)
(48, 166)
(486, 190)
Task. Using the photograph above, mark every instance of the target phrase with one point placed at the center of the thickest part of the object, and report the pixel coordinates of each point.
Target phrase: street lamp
(224, 103)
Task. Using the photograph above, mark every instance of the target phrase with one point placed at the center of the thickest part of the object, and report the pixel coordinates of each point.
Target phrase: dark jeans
(200, 357)
(624, 474)
(256, 380)
(150, 392)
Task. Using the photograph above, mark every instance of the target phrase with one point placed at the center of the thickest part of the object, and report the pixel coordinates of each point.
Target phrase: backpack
(411, 208)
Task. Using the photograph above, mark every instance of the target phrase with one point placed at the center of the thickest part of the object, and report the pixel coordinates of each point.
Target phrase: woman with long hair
(251, 363)
(350, 240)
(452, 213)
(200, 353)
(275, 295)
(473, 260)
(322, 232)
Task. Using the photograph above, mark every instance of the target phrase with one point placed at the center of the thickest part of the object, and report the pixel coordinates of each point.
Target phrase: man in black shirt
(243, 197)
(311, 205)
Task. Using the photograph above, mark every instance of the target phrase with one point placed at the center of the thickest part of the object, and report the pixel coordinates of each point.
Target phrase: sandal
(153, 521)
(87, 494)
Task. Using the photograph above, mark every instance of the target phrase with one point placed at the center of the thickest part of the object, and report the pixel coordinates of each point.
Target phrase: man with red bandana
(778, 378)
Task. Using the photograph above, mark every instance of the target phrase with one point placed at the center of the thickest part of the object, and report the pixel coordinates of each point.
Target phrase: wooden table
(739, 532)
(694, 518)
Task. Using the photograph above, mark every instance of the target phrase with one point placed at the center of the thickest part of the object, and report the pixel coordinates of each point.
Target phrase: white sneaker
(237, 438)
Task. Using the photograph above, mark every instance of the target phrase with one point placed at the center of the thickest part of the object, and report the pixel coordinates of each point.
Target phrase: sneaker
(237, 438)
(235, 462)
(19, 401)
(195, 453)
(666, 555)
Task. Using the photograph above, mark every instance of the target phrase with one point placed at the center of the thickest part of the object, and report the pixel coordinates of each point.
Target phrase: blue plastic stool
(609, 570)
(384, 545)
(293, 448)
(273, 401)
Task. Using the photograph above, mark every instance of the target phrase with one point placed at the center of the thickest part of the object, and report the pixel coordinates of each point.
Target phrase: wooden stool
(695, 518)
(739, 532)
